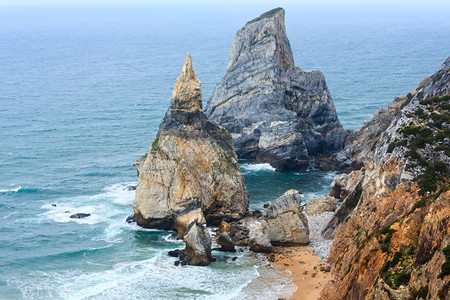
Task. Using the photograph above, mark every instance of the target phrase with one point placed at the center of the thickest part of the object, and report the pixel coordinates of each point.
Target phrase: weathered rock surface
(191, 166)
(317, 206)
(395, 241)
(285, 222)
(282, 223)
(198, 245)
(225, 242)
(182, 222)
(275, 112)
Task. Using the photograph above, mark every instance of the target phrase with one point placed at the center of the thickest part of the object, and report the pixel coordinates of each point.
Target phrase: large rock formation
(191, 171)
(275, 112)
(393, 238)
(282, 223)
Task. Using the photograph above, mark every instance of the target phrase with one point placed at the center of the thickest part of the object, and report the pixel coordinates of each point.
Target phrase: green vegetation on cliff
(265, 15)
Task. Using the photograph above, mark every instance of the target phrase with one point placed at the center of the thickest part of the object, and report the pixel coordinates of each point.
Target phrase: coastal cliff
(275, 112)
(191, 172)
(391, 233)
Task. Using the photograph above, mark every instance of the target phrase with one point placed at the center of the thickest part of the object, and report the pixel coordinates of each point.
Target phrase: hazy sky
(228, 2)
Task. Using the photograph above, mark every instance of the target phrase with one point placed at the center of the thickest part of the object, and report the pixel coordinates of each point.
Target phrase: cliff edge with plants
(391, 233)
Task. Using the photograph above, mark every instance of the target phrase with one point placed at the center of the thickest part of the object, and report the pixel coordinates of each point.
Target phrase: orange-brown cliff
(391, 233)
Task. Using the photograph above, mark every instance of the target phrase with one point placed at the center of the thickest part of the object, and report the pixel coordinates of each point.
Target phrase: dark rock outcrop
(225, 242)
(191, 171)
(79, 216)
(275, 112)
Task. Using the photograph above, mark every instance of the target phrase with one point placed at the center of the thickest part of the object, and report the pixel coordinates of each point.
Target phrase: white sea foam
(11, 190)
(9, 215)
(107, 206)
(330, 175)
(62, 213)
(156, 278)
(257, 167)
(149, 277)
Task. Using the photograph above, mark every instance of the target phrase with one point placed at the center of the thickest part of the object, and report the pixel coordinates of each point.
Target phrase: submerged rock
(191, 166)
(275, 112)
(79, 216)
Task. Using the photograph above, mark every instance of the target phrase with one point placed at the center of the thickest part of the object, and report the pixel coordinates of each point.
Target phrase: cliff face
(191, 169)
(275, 112)
(393, 239)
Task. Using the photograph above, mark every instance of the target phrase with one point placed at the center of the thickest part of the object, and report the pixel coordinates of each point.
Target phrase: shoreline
(310, 273)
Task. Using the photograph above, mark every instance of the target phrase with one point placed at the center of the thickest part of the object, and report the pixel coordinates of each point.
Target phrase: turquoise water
(83, 91)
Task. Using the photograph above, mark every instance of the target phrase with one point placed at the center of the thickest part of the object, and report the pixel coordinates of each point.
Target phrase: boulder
(224, 226)
(285, 223)
(282, 223)
(198, 245)
(275, 112)
(191, 166)
(318, 205)
(182, 222)
(225, 242)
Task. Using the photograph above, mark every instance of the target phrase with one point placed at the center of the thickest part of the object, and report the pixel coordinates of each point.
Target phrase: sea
(82, 92)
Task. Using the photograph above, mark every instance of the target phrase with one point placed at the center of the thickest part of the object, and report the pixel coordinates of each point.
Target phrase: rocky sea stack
(191, 172)
(275, 112)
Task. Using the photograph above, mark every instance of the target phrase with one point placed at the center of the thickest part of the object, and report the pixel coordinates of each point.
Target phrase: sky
(226, 2)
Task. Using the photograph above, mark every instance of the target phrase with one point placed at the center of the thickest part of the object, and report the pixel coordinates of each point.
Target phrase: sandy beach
(308, 270)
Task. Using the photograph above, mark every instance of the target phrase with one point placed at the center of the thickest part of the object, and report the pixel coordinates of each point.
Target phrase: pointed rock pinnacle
(187, 94)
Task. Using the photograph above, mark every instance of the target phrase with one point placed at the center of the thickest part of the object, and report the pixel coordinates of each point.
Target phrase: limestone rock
(275, 112)
(283, 223)
(182, 222)
(198, 245)
(225, 242)
(317, 206)
(224, 226)
(190, 166)
(352, 198)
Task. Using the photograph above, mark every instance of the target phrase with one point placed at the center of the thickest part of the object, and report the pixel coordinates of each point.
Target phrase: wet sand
(308, 270)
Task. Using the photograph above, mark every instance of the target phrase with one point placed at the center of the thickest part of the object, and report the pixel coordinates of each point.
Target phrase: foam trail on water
(13, 190)
(108, 206)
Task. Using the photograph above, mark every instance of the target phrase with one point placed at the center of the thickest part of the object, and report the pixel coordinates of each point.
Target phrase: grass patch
(433, 175)
(421, 114)
(435, 100)
(155, 146)
(402, 278)
(423, 292)
(436, 78)
(445, 269)
(386, 241)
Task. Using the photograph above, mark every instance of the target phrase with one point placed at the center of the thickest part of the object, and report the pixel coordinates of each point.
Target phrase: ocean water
(82, 92)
